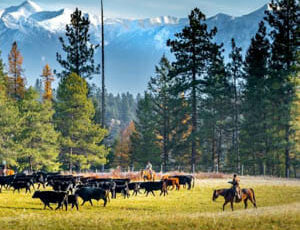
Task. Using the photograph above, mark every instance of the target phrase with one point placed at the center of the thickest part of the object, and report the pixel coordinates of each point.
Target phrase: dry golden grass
(278, 208)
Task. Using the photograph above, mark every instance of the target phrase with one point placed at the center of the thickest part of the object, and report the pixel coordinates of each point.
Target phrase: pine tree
(122, 155)
(256, 131)
(283, 19)
(17, 83)
(215, 111)
(79, 50)
(235, 71)
(191, 48)
(38, 139)
(159, 87)
(144, 140)
(9, 123)
(81, 138)
(48, 79)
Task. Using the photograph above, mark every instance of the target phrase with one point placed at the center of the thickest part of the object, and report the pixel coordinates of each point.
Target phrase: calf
(48, 197)
(155, 186)
(89, 194)
(185, 180)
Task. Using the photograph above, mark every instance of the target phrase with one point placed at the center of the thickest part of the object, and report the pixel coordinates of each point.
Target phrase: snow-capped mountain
(133, 46)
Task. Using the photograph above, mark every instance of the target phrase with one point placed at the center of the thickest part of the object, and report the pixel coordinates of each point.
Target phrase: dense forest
(199, 113)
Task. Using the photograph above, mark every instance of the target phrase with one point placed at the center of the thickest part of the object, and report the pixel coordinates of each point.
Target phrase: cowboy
(149, 167)
(236, 186)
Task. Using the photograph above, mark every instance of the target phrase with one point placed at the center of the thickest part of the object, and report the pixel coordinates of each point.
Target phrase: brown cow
(171, 182)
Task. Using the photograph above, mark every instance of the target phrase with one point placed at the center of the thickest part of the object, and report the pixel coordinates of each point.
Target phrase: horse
(230, 195)
(147, 176)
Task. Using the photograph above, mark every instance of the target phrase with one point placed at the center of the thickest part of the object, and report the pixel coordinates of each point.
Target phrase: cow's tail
(107, 195)
(253, 194)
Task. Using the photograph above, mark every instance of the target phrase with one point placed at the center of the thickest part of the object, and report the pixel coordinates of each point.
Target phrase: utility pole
(103, 75)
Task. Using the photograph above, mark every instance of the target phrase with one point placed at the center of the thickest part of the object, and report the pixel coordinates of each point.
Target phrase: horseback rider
(149, 168)
(236, 186)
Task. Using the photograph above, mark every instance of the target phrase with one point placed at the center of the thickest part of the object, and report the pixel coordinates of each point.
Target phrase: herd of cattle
(67, 188)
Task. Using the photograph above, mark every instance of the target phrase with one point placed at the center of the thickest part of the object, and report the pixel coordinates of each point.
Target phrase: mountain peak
(31, 6)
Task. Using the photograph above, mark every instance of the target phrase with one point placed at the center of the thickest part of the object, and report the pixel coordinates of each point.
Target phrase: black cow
(72, 199)
(152, 186)
(5, 181)
(20, 178)
(17, 185)
(64, 186)
(185, 180)
(122, 189)
(48, 197)
(89, 194)
(135, 187)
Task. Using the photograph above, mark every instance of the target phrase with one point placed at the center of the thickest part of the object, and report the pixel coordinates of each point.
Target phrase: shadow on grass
(20, 208)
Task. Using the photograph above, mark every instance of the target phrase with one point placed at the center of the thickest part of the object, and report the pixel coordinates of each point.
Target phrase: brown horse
(147, 176)
(229, 196)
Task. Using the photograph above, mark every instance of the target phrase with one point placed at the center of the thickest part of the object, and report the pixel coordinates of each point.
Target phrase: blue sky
(150, 8)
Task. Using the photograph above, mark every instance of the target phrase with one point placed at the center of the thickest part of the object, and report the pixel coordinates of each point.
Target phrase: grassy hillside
(278, 208)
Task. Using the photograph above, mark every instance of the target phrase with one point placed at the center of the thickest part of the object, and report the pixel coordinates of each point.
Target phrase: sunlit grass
(278, 208)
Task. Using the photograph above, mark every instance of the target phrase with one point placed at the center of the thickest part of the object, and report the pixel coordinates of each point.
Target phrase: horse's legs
(231, 204)
(253, 202)
(246, 203)
(224, 205)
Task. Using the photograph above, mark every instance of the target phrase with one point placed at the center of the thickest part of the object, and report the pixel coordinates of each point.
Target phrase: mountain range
(133, 46)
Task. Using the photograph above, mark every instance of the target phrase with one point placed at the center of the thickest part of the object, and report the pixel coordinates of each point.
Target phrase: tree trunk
(70, 160)
(30, 164)
(103, 72)
(194, 121)
(287, 151)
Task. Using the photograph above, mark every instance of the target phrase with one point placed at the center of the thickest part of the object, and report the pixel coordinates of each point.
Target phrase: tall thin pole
(103, 75)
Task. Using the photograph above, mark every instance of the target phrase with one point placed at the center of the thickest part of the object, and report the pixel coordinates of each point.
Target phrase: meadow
(278, 203)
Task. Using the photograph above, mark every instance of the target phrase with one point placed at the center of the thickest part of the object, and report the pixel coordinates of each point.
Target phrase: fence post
(264, 169)
(102, 168)
(193, 168)
(242, 170)
(161, 168)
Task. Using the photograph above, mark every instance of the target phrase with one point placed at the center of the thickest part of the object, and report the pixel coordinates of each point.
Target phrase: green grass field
(278, 208)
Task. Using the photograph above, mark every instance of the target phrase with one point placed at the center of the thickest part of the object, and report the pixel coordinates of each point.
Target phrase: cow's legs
(231, 204)
(153, 193)
(91, 202)
(83, 203)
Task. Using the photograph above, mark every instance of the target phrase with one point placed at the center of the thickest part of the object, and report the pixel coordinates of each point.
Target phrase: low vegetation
(278, 203)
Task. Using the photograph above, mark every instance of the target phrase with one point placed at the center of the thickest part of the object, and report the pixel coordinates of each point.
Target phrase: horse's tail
(193, 178)
(253, 194)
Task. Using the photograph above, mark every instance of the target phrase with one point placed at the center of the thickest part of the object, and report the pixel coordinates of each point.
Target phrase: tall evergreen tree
(17, 82)
(256, 131)
(283, 19)
(191, 48)
(9, 123)
(144, 139)
(235, 71)
(81, 138)
(79, 50)
(38, 139)
(215, 110)
(48, 79)
(159, 87)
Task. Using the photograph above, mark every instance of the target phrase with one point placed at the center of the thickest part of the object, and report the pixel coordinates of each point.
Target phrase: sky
(149, 8)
